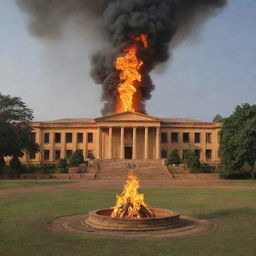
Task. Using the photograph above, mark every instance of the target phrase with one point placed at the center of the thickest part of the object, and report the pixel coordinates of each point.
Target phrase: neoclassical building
(127, 135)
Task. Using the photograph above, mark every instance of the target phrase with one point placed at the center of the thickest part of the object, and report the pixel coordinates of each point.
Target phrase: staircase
(143, 169)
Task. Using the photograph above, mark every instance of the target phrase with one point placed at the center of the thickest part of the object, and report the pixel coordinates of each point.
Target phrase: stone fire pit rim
(168, 213)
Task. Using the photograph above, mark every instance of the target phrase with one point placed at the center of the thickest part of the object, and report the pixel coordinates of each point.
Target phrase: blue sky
(208, 74)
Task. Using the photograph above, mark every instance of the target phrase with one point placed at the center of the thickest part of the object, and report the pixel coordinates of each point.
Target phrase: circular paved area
(76, 225)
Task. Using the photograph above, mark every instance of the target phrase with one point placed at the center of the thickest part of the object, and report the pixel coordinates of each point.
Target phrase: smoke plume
(166, 22)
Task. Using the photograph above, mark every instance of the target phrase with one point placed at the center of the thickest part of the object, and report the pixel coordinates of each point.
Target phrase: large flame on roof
(130, 203)
(129, 65)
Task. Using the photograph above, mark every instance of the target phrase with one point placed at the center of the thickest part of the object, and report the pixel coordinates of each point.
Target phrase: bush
(62, 163)
(76, 158)
(233, 174)
(173, 157)
(192, 160)
(15, 163)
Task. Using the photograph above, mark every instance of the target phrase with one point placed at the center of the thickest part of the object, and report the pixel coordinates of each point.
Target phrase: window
(32, 155)
(90, 137)
(90, 154)
(198, 152)
(57, 137)
(185, 137)
(184, 153)
(208, 138)
(33, 136)
(69, 153)
(46, 137)
(197, 137)
(57, 154)
(208, 154)
(164, 153)
(174, 137)
(46, 154)
(68, 137)
(163, 137)
(80, 137)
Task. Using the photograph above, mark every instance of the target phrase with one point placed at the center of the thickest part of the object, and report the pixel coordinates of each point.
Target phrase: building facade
(127, 135)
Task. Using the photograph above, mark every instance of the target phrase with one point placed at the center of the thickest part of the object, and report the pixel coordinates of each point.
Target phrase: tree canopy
(238, 138)
(218, 118)
(15, 131)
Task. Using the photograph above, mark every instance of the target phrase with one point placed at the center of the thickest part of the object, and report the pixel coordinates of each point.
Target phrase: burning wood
(130, 203)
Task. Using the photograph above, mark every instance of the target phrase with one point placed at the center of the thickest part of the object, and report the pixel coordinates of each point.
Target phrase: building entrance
(128, 152)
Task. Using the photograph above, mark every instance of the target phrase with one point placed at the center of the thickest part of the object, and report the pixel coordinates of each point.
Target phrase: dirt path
(118, 184)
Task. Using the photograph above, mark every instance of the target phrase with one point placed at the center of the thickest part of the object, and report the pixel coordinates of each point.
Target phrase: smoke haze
(166, 22)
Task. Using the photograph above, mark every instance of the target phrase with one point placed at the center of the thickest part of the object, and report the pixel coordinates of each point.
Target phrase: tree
(218, 119)
(191, 159)
(76, 158)
(238, 138)
(173, 157)
(15, 132)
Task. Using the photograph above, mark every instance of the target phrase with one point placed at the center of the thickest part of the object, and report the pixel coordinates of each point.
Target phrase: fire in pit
(131, 213)
(130, 203)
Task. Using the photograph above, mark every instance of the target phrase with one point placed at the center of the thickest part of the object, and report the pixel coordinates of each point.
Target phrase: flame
(130, 76)
(130, 201)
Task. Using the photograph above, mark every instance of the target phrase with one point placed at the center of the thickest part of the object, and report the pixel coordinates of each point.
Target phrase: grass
(23, 219)
(12, 184)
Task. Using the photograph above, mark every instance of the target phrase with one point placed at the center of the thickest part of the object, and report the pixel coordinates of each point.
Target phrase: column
(157, 142)
(52, 143)
(63, 145)
(146, 143)
(85, 144)
(122, 143)
(134, 143)
(99, 143)
(74, 141)
(110, 139)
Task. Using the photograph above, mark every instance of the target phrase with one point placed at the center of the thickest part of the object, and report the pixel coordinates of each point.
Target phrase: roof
(72, 120)
(92, 120)
(180, 120)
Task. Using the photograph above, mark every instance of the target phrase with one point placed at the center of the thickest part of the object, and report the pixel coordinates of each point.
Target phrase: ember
(130, 203)
(130, 76)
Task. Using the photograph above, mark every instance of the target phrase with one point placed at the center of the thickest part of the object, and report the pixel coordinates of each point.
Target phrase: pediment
(128, 117)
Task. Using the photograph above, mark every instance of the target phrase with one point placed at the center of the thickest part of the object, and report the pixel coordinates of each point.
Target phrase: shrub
(191, 159)
(173, 157)
(62, 163)
(76, 158)
(15, 163)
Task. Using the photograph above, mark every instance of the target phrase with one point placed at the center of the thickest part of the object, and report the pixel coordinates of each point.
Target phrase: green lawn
(12, 184)
(23, 218)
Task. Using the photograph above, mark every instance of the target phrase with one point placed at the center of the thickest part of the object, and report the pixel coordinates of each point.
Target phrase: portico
(128, 136)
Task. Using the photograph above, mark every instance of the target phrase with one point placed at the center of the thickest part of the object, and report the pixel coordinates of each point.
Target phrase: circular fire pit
(164, 219)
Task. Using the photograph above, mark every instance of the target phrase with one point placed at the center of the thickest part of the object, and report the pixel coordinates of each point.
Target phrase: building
(127, 135)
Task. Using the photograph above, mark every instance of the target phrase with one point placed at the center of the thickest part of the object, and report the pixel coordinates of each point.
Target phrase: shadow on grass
(229, 213)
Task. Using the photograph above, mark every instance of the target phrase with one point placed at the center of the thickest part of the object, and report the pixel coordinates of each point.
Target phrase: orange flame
(130, 76)
(130, 201)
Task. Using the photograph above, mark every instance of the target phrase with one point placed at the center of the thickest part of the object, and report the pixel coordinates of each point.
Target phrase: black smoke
(166, 22)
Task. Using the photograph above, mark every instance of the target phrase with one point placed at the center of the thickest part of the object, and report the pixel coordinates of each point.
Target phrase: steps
(144, 169)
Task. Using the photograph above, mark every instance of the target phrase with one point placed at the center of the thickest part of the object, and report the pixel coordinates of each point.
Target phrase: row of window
(185, 137)
(68, 137)
(208, 153)
(57, 154)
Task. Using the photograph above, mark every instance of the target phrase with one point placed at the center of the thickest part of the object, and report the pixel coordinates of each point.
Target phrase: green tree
(173, 157)
(15, 132)
(218, 119)
(191, 159)
(238, 138)
(76, 158)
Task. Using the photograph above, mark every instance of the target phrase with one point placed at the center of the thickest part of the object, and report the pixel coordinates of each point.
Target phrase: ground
(28, 207)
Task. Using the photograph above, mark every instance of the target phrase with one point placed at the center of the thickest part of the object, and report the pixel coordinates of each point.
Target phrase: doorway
(128, 152)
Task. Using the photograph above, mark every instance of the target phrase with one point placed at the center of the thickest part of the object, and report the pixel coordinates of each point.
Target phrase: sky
(208, 74)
